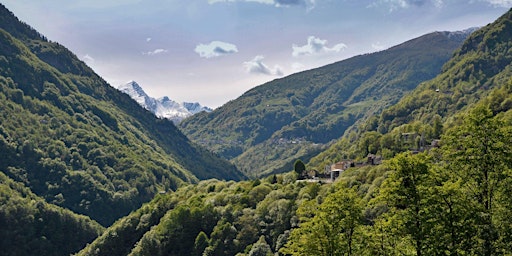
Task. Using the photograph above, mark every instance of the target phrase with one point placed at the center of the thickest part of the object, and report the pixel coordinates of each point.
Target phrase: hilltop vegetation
(449, 200)
(72, 144)
(30, 225)
(479, 68)
(452, 198)
(79, 143)
(424, 204)
(269, 127)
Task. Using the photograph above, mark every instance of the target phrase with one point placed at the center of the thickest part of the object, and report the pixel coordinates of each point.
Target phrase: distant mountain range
(162, 107)
(272, 125)
(77, 154)
(257, 215)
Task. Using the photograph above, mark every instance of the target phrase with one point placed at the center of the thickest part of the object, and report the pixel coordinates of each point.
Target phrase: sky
(212, 51)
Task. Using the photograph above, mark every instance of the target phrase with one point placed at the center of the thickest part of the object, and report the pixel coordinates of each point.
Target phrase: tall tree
(405, 193)
(333, 228)
(299, 167)
(479, 152)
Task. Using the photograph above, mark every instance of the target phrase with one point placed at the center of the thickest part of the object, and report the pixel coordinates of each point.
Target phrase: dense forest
(442, 189)
(481, 65)
(450, 200)
(77, 142)
(86, 170)
(30, 225)
(270, 126)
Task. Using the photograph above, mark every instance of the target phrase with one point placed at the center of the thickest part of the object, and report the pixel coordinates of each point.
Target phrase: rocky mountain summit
(162, 107)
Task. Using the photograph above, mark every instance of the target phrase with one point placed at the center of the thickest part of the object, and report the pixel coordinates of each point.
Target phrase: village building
(335, 170)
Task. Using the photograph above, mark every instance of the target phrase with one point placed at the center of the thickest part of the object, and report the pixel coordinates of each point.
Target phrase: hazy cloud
(88, 59)
(296, 66)
(378, 46)
(148, 39)
(256, 66)
(399, 4)
(315, 45)
(277, 3)
(155, 52)
(215, 49)
(500, 3)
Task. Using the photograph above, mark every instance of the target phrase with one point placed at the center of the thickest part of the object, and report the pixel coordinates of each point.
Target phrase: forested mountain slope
(269, 127)
(79, 143)
(450, 199)
(481, 65)
(30, 225)
(214, 217)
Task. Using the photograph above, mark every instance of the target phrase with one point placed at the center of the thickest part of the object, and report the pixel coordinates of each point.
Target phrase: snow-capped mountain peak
(163, 107)
(134, 89)
(136, 92)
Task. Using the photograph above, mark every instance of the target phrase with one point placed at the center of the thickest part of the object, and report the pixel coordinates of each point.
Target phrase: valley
(417, 138)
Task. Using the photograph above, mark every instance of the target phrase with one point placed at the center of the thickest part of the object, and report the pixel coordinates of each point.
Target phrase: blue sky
(212, 51)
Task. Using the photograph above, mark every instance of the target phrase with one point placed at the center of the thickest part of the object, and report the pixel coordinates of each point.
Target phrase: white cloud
(88, 59)
(296, 66)
(215, 49)
(310, 4)
(316, 45)
(256, 66)
(500, 3)
(401, 4)
(155, 52)
(378, 46)
(148, 39)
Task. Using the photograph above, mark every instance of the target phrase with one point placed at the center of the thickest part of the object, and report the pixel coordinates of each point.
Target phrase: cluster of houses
(332, 172)
(412, 140)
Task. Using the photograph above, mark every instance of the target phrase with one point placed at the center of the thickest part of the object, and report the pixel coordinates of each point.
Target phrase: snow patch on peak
(463, 33)
(195, 107)
(163, 107)
(132, 87)
(138, 94)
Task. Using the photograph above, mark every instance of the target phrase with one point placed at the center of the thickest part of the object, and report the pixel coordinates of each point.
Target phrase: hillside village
(414, 142)
(394, 166)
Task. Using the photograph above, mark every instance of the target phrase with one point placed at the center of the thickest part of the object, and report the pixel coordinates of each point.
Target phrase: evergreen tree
(200, 244)
(260, 248)
(299, 167)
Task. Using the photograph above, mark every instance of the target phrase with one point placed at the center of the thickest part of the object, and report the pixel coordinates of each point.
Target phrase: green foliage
(330, 228)
(81, 144)
(62, 137)
(429, 203)
(481, 67)
(406, 193)
(297, 116)
(260, 248)
(122, 236)
(30, 225)
(213, 218)
(299, 166)
(479, 154)
(200, 244)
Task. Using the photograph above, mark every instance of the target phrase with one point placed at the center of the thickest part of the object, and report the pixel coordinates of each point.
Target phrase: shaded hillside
(413, 204)
(453, 199)
(269, 127)
(79, 143)
(31, 225)
(481, 65)
(209, 218)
